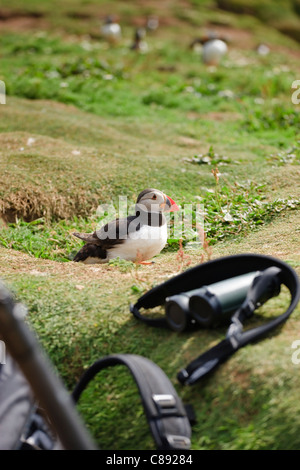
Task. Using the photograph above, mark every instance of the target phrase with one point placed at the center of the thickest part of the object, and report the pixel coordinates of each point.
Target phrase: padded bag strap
(16, 404)
(46, 386)
(164, 410)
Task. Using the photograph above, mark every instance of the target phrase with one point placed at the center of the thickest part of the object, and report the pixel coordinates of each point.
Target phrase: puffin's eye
(154, 197)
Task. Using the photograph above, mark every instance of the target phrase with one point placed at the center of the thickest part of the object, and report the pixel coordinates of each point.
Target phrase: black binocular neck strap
(166, 415)
(272, 269)
(159, 322)
(235, 337)
(207, 273)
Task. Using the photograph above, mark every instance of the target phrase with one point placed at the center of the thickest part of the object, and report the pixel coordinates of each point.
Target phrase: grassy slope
(76, 311)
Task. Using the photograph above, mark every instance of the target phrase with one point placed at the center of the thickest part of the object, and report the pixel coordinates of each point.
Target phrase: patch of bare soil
(16, 263)
(164, 10)
(188, 142)
(236, 37)
(21, 21)
(29, 201)
(216, 116)
(286, 184)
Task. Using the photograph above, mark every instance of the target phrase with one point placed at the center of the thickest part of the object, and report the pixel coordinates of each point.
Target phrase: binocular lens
(177, 312)
(205, 308)
(208, 305)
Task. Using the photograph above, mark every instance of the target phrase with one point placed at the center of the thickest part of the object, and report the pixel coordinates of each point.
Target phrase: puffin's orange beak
(172, 204)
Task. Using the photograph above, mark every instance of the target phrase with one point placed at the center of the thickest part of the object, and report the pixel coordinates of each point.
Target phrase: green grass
(42, 240)
(115, 82)
(85, 123)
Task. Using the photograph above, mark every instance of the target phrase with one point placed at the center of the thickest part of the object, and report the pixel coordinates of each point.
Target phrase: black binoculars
(212, 305)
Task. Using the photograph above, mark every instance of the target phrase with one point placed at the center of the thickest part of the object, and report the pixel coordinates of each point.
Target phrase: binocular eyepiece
(211, 305)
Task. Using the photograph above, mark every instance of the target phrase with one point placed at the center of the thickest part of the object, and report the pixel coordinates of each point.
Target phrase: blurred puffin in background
(213, 49)
(135, 238)
(152, 23)
(111, 30)
(262, 49)
(139, 44)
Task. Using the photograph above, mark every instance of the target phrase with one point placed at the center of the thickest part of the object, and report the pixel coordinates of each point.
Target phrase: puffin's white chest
(142, 245)
(111, 31)
(213, 51)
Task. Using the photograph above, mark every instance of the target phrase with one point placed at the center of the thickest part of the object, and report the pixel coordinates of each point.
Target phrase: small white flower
(30, 141)
(52, 74)
(189, 89)
(108, 76)
(228, 217)
(86, 45)
(226, 94)
(258, 203)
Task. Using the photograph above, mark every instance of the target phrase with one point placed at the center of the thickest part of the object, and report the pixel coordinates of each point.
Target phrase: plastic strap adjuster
(165, 404)
(178, 442)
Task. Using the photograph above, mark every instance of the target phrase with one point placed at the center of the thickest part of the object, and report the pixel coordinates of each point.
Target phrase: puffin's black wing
(109, 235)
(90, 251)
(112, 233)
(116, 232)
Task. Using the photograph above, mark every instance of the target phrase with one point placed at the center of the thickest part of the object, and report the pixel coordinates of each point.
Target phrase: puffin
(138, 237)
(152, 23)
(262, 49)
(138, 41)
(214, 48)
(111, 30)
(213, 51)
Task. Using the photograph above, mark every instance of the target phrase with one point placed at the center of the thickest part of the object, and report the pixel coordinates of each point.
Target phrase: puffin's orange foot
(146, 262)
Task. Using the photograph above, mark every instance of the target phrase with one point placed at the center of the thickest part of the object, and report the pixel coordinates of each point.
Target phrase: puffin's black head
(153, 200)
(139, 34)
(109, 19)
